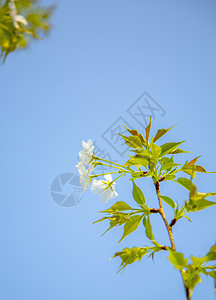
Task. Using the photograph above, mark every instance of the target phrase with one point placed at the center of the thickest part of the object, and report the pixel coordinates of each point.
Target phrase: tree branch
(161, 211)
(169, 230)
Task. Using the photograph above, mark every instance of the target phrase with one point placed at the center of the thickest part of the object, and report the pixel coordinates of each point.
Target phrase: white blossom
(85, 178)
(106, 189)
(86, 154)
(16, 18)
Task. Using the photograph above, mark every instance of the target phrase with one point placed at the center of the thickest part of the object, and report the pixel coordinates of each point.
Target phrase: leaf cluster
(12, 38)
(193, 268)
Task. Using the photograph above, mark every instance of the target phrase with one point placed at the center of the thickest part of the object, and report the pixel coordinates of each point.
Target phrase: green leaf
(115, 220)
(113, 223)
(141, 159)
(132, 141)
(138, 194)
(190, 169)
(169, 147)
(178, 151)
(168, 166)
(129, 256)
(118, 206)
(160, 133)
(156, 150)
(193, 161)
(139, 174)
(148, 228)
(211, 256)
(200, 169)
(131, 225)
(136, 133)
(177, 259)
(197, 261)
(202, 204)
(169, 177)
(148, 128)
(169, 201)
(186, 183)
(191, 278)
(133, 162)
(213, 248)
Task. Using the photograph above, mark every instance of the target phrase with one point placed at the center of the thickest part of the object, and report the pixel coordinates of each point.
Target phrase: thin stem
(93, 176)
(118, 177)
(102, 164)
(170, 233)
(161, 211)
(110, 162)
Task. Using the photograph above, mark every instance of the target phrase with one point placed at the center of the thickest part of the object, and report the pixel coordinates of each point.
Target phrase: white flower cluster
(105, 188)
(16, 18)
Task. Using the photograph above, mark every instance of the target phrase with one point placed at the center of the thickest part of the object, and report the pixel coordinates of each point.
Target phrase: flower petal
(21, 19)
(106, 195)
(108, 177)
(97, 186)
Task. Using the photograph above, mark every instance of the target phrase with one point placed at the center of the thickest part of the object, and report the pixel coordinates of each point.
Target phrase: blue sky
(99, 58)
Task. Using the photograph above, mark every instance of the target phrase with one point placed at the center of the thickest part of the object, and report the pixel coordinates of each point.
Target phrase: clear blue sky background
(98, 59)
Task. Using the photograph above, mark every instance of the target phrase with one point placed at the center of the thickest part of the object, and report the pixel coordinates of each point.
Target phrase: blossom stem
(118, 177)
(102, 164)
(97, 175)
(98, 158)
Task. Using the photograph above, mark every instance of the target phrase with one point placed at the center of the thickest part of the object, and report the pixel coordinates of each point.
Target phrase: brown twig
(169, 230)
(161, 211)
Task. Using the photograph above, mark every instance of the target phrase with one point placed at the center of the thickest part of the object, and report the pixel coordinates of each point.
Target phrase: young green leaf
(197, 261)
(177, 259)
(138, 194)
(161, 132)
(193, 161)
(179, 151)
(148, 128)
(169, 177)
(169, 201)
(202, 204)
(156, 150)
(118, 206)
(168, 166)
(129, 256)
(169, 147)
(131, 225)
(140, 159)
(148, 228)
(136, 133)
(191, 278)
(132, 141)
(186, 183)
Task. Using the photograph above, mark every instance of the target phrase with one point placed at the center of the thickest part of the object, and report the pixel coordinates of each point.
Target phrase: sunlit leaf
(118, 206)
(136, 133)
(156, 150)
(129, 256)
(132, 141)
(131, 225)
(177, 259)
(169, 201)
(138, 194)
(148, 228)
(148, 128)
(193, 161)
(160, 133)
(169, 147)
